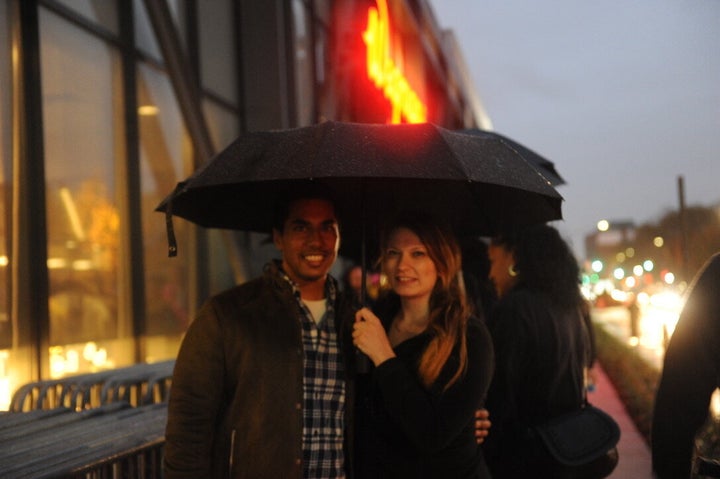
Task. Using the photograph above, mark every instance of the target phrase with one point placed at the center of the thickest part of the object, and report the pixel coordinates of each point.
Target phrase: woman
(433, 362)
(542, 345)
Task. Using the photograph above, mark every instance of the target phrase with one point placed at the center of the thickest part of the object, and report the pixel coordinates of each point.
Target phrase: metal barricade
(112, 441)
(139, 384)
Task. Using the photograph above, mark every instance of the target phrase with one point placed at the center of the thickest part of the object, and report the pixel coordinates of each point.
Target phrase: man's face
(309, 241)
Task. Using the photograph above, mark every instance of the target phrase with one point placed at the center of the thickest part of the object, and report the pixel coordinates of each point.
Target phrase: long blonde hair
(449, 309)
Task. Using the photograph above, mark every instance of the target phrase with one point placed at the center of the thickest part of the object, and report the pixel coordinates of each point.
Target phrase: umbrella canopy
(542, 164)
(477, 184)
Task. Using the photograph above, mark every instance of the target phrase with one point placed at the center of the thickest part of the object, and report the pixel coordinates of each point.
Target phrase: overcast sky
(622, 95)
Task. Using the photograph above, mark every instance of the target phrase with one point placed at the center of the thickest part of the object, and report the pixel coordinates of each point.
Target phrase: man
(262, 387)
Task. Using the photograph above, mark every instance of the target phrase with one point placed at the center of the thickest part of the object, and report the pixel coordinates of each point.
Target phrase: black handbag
(581, 444)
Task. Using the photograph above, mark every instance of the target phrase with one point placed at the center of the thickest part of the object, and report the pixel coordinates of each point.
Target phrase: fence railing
(138, 385)
(113, 441)
(109, 424)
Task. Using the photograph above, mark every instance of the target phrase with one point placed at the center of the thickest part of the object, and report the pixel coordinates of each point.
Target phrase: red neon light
(387, 76)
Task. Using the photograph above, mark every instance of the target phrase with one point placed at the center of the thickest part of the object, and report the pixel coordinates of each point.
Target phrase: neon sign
(385, 74)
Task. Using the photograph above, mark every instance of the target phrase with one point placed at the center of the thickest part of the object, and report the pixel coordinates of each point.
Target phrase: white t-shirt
(317, 309)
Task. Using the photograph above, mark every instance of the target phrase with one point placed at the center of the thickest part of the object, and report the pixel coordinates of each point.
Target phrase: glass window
(218, 72)
(223, 271)
(165, 158)
(222, 276)
(222, 124)
(98, 11)
(84, 142)
(5, 194)
(329, 102)
(144, 36)
(322, 11)
(304, 83)
(177, 11)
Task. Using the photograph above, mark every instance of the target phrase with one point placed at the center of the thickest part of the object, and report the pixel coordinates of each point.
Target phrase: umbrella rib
(464, 168)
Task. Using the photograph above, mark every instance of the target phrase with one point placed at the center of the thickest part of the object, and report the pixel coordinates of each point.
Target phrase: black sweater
(408, 431)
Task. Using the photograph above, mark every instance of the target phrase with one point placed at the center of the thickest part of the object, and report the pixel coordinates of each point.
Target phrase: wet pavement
(634, 452)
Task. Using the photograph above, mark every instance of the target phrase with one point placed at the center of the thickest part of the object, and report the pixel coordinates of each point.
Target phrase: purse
(581, 444)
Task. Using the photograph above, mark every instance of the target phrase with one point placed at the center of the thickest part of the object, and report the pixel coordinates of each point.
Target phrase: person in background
(481, 295)
(542, 345)
(433, 361)
(634, 316)
(352, 281)
(690, 374)
(352, 284)
(475, 269)
(262, 386)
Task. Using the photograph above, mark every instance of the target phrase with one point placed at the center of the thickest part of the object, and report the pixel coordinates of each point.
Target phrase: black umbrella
(477, 184)
(542, 164)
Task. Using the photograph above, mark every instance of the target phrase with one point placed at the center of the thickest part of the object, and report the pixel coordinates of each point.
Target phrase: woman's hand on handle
(369, 337)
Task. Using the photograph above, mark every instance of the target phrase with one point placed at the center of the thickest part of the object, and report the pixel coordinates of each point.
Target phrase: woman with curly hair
(543, 344)
(433, 361)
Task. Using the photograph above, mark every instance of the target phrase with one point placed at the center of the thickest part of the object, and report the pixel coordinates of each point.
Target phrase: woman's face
(408, 266)
(500, 262)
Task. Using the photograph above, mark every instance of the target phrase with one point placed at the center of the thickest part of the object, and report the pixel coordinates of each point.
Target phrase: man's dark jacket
(238, 384)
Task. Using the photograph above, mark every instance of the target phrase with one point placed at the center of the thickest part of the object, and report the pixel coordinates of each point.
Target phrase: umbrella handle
(170, 230)
(362, 362)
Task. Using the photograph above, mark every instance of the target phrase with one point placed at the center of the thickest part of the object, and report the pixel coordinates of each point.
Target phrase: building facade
(106, 104)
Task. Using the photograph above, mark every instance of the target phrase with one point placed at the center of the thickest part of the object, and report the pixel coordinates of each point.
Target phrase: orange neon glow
(383, 71)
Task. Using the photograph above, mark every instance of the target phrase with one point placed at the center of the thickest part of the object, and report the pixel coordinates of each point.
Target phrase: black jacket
(540, 356)
(408, 431)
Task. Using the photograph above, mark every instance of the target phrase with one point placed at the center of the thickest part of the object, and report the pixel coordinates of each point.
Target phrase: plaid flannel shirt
(323, 391)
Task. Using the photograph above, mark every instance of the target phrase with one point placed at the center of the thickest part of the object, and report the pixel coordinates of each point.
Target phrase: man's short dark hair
(310, 190)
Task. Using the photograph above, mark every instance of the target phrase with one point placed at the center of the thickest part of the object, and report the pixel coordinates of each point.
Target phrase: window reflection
(166, 158)
(219, 72)
(98, 11)
(5, 191)
(84, 140)
(222, 124)
(223, 128)
(83, 264)
(144, 37)
(304, 82)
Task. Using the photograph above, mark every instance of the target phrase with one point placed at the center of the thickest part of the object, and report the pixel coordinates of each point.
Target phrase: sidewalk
(635, 459)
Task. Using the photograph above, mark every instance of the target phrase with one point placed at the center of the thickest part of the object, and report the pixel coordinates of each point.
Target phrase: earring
(512, 271)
